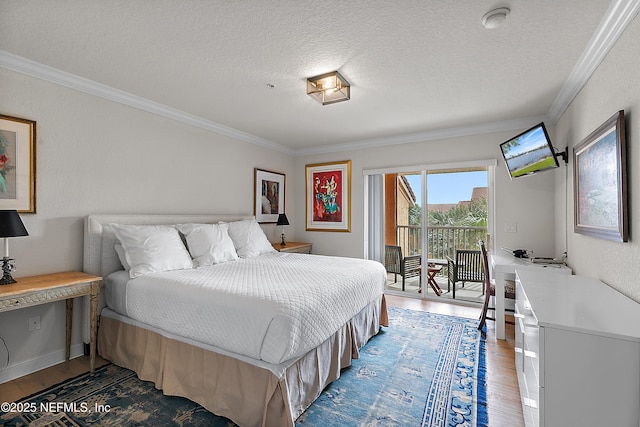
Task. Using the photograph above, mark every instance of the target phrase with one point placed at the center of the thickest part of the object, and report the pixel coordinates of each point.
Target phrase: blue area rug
(423, 370)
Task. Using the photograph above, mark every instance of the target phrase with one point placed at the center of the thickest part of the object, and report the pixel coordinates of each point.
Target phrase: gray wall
(96, 156)
(542, 206)
(613, 87)
(528, 202)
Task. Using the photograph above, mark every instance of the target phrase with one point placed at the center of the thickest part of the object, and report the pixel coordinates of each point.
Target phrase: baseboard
(33, 365)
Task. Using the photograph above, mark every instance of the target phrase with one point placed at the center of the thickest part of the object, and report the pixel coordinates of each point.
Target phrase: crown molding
(53, 75)
(437, 134)
(613, 24)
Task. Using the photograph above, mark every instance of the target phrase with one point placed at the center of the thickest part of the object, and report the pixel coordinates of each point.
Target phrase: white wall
(528, 202)
(613, 87)
(96, 156)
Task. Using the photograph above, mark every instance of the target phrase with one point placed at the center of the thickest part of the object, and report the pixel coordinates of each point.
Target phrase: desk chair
(490, 288)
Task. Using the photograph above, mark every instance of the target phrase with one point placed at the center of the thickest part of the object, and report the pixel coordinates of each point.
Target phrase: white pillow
(152, 248)
(208, 243)
(248, 238)
(121, 256)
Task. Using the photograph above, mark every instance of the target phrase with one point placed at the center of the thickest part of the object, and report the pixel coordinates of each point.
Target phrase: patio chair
(395, 263)
(467, 267)
(490, 289)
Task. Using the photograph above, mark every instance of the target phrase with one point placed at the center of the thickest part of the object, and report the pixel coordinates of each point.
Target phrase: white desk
(504, 267)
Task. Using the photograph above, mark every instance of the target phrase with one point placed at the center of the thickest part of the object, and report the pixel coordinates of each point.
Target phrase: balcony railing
(442, 241)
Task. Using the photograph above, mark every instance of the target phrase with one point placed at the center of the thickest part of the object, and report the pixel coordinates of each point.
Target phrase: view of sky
(448, 187)
(527, 142)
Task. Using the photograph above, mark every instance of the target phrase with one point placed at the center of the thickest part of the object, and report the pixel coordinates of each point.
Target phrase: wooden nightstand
(293, 247)
(35, 290)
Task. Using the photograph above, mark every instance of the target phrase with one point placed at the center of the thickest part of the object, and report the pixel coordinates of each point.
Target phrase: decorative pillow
(121, 256)
(208, 243)
(152, 248)
(248, 238)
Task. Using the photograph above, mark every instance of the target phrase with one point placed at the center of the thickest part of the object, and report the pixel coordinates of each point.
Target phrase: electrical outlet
(510, 227)
(34, 323)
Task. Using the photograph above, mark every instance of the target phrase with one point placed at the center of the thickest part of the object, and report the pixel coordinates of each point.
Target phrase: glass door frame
(489, 164)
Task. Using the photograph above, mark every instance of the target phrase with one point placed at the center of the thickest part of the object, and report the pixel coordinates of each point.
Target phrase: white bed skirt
(247, 393)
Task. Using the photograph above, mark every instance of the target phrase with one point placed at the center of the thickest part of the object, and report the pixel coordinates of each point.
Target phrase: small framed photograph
(17, 164)
(328, 196)
(600, 182)
(269, 190)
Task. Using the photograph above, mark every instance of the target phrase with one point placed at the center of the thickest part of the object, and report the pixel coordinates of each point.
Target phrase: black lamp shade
(11, 225)
(282, 219)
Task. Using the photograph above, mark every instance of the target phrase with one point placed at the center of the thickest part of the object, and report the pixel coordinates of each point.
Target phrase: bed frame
(241, 389)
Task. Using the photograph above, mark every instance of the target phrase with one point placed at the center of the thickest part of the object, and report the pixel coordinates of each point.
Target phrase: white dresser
(577, 352)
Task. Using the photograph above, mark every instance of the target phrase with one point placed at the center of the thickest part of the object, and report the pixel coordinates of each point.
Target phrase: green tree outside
(472, 215)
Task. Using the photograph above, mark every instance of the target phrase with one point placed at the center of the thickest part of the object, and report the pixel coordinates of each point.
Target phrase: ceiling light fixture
(495, 18)
(329, 88)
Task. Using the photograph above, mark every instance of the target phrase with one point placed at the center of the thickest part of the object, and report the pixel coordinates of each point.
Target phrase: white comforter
(272, 307)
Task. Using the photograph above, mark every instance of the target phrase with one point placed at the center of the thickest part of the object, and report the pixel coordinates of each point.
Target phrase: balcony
(442, 241)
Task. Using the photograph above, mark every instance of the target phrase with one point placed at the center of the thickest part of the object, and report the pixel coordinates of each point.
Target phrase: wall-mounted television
(529, 152)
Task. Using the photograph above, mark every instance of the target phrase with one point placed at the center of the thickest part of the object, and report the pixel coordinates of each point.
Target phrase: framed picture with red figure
(328, 196)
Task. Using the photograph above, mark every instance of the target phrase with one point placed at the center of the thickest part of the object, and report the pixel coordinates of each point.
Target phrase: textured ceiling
(415, 66)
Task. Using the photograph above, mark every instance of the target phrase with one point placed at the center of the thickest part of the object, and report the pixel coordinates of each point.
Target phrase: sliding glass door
(421, 238)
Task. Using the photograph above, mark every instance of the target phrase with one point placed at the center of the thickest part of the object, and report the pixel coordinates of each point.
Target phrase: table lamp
(282, 220)
(10, 226)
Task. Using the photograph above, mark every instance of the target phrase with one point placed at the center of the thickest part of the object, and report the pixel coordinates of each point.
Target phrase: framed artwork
(17, 164)
(600, 182)
(268, 200)
(328, 196)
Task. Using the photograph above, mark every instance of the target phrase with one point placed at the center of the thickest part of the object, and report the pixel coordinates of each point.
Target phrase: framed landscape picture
(600, 182)
(328, 196)
(268, 195)
(17, 164)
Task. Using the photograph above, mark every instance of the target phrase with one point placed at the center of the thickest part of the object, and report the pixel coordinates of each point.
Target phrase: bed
(254, 338)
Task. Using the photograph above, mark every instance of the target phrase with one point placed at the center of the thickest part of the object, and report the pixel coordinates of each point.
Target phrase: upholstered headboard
(100, 256)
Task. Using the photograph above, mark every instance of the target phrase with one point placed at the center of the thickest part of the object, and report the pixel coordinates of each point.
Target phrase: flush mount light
(494, 18)
(329, 88)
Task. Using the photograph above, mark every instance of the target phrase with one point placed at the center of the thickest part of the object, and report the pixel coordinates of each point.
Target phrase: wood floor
(503, 397)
